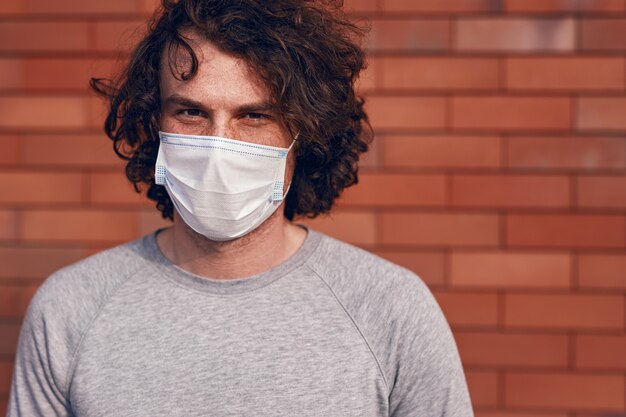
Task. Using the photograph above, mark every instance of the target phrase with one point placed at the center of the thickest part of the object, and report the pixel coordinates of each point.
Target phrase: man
(238, 116)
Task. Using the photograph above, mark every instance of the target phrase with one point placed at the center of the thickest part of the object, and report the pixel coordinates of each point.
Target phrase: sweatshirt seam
(75, 353)
(356, 326)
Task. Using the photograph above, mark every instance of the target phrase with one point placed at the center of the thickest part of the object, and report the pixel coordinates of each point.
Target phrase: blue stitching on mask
(225, 149)
(278, 191)
(160, 175)
(238, 143)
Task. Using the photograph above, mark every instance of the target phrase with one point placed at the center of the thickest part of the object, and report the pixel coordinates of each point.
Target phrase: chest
(227, 365)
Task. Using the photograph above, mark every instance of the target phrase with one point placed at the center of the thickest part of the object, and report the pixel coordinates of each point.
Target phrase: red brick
(6, 376)
(43, 36)
(440, 73)
(511, 113)
(78, 226)
(510, 269)
(415, 35)
(601, 191)
(565, 73)
(406, 112)
(601, 113)
(11, 73)
(354, 227)
(565, 230)
(601, 352)
(378, 189)
(40, 187)
(80, 6)
(70, 150)
(372, 158)
(64, 74)
(9, 334)
(512, 349)
(114, 188)
(369, 78)
(150, 220)
(97, 111)
(602, 271)
(36, 262)
(10, 149)
(567, 311)
(439, 229)
(602, 34)
(483, 387)
(439, 6)
(543, 6)
(583, 153)
(359, 5)
(469, 309)
(442, 151)
(96, 247)
(8, 224)
(510, 191)
(429, 266)
(149, 6)
(515, 35)
(116, 36)
(43, 112)
(572, 391)
(10, 7)
(14, 300)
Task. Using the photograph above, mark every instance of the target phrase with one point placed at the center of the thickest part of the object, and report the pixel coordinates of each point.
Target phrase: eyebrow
(246, 108)
(183, 101)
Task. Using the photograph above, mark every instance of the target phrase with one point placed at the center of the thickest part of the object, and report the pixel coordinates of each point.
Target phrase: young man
(238, 116)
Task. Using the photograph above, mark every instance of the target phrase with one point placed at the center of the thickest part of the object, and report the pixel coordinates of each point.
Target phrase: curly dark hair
(308, 54)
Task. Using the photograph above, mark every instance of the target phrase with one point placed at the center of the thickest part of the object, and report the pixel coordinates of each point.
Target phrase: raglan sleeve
(40, 364)
(429, 377)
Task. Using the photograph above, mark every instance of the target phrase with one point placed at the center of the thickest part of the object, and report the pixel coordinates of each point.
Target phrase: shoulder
(91, 278)
(63, 307)
(391, 305)
(359, 275)
(67, 301)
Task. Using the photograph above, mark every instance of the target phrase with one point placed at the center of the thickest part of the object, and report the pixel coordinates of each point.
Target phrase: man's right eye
(190, 112)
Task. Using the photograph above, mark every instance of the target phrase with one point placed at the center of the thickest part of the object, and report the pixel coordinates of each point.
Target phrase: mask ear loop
(288, 149)
(293, 141)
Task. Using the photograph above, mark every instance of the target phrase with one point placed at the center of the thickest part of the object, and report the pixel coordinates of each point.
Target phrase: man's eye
(257, 116)
(190, 112)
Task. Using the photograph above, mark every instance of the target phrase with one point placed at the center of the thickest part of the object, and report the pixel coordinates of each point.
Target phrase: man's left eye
(191, 112)
(256, 116)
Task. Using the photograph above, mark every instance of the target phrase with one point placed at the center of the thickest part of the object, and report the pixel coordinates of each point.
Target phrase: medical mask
(222, 188)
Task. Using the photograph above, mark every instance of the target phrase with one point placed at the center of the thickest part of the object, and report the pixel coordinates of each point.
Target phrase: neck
(260, 250)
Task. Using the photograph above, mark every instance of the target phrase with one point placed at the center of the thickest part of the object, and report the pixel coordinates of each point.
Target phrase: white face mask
(222, 188)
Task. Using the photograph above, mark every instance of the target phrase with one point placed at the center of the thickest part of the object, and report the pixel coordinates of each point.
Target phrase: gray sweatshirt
(332, 331)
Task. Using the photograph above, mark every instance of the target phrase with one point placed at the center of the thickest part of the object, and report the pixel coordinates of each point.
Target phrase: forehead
(220, 75)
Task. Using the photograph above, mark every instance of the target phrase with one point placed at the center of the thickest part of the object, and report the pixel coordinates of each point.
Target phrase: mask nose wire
(293, 141)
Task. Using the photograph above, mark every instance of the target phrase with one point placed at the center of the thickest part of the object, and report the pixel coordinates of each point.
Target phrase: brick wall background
(498, 174)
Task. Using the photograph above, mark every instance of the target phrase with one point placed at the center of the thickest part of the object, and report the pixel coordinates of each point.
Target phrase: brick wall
(498, 174)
